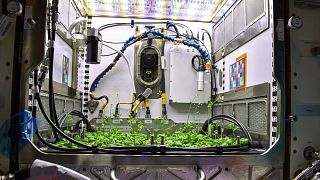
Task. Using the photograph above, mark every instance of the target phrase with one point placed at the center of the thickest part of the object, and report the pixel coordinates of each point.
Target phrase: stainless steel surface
(234, 164)
(260, 90)
(62, 89)
(34, 41)
(64, 104)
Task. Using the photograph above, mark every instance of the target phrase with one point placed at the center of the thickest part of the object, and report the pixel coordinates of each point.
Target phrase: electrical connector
(148, 113)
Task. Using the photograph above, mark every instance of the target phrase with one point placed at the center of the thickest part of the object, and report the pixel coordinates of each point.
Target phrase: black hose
(200, 63)
(35, 83)
(88, 125)
(111, 54)
(111, 65)
(43, 141)
(22, 174)
(80, 115)
(163, 83)
(213, 75)
(234, 119)
(37, 96)
(52, 106)
(87, 147)
(175, 28)
(210, 39)
(193, 38)
(99, 98)
(229, 119)
(185, 26)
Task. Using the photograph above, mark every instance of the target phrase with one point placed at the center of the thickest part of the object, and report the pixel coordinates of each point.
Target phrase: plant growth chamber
(159, 89)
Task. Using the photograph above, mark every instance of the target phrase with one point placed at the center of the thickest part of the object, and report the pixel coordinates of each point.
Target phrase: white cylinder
(200, 80)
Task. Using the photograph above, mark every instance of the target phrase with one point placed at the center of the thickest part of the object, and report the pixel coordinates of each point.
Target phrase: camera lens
(149, 60)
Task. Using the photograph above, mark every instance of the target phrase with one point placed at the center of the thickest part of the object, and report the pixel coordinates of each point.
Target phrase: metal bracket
(92, 105)
(291, 118)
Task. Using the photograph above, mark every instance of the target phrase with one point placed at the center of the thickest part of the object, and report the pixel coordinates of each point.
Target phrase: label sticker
(116, 121)
(280, 29)
(148, 121)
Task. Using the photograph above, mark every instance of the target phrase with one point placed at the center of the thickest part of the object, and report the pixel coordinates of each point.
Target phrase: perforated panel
(217, 109)
(59, 106)
(77, 105)
(227, 109)
(241, 113)
(257, 117)
(69, 106)
(42, 122)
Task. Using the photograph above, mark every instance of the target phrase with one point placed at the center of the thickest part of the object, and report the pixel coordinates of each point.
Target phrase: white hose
(201, 174)
(113, 174)
(75, 23)
(127, 61)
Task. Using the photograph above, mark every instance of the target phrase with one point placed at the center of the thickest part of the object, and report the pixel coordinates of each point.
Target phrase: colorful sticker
(238, 73)
(65, 74)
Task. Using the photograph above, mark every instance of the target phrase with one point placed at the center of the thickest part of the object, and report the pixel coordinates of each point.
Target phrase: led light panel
(189, 10)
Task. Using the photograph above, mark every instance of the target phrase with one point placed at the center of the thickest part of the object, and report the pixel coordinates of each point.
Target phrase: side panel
(259, 60)
(305, 86)
(6, 61)
(256, 69)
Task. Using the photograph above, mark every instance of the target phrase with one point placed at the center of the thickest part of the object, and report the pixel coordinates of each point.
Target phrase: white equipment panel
(183, 78)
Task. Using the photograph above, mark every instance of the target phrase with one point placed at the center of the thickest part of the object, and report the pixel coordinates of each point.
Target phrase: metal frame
(270, 162)
(302, 91)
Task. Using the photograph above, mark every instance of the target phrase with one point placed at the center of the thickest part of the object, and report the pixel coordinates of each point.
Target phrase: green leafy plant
(188, 136)
(68, 121)
(234, 128)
